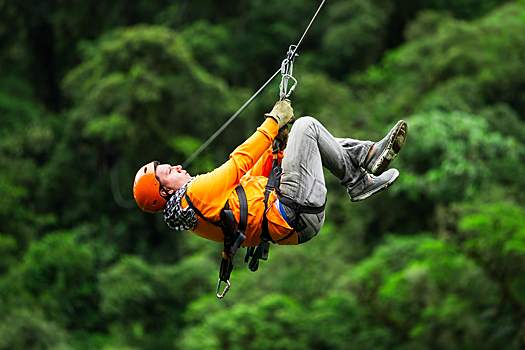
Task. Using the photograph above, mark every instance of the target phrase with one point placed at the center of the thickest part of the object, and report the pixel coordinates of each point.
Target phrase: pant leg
(310, 148)
(356, 149)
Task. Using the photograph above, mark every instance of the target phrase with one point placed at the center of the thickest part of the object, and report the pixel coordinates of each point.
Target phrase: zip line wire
(286, 71)
(290, 57)
(228, 122)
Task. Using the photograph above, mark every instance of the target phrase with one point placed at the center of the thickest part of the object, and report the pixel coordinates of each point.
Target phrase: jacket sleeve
(264, 165)
(214, 188)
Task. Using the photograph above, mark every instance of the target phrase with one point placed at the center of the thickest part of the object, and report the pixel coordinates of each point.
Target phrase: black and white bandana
(175, 216)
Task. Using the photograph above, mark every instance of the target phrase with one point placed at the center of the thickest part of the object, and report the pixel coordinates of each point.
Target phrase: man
(293, 213)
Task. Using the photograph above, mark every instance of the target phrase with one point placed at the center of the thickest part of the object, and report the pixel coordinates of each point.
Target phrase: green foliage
(494, 235)
(212, 46)
(458, 59)
(427, 292)
(364, 22)
(147, 302)
(8, 248)
(273, 322)
(60, 274)
(146, 75)
(29, 330)
(450, 156)
(465, 9)
(25, 139)
(89, 90)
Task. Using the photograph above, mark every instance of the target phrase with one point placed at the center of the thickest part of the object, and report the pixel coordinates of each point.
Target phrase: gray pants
(310, 148)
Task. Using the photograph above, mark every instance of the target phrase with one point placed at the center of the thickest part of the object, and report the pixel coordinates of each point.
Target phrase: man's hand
(282, 113)
(281, 140)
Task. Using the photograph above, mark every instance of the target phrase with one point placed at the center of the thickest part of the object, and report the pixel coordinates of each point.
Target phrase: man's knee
(305, 123)
(306, 120)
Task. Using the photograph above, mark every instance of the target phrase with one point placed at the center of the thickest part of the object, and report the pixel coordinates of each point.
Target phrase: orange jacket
(250, 164)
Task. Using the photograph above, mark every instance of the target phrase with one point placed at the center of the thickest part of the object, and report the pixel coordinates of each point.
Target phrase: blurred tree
(147, 302)
(26, 138)
(147, 92)
(357, 34)
(458, 65)
(41, 37)
(29, 330)
(273, 322)
(60, 274)
(451, 155)
(339, 321)
(429, 295)
(494, 236)
(139, 79)
(448, 158)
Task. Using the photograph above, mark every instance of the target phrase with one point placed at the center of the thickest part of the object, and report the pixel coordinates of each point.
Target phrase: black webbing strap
(298, 209)
(262, 250)
(303, 209)
(197, 211)
(233, 236)
(227, 221)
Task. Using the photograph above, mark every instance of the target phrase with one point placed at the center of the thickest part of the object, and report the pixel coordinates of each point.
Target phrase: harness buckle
(240, 239)
(220, 296)
(266, 250)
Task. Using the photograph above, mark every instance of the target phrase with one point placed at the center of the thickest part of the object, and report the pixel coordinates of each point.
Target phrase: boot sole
(394, 145)
(386, 185)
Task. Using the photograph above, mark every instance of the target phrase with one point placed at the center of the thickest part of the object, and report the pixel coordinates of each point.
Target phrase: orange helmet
(146, 189)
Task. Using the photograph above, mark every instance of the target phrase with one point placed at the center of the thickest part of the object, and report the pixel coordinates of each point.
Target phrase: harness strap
(262, 250)
(243, 202)
(303, 209)
(233, 237)
(237, 236)
(227, 221)
(295, 206)
(298, 209)
(197, 211)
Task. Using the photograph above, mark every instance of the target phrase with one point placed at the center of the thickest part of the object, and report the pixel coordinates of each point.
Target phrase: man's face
(172, 177)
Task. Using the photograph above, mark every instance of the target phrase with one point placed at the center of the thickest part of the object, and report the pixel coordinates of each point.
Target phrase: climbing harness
(286, 74)
(235, 236)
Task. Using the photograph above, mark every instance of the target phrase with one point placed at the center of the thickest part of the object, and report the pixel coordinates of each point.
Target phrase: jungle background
(91, 90)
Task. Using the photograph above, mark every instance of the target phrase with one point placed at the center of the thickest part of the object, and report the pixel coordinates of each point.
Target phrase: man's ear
(164, 194)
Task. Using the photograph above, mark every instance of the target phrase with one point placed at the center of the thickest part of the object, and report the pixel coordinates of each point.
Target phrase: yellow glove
(282, 113)
(281, 140)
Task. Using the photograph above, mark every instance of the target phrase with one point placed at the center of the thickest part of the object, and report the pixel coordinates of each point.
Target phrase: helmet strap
(168, 195)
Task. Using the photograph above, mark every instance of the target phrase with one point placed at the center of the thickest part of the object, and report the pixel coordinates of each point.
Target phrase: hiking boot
(365, 188)
(387, 149)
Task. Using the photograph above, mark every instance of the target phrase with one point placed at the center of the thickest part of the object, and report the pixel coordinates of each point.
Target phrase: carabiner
(287, 73)
(220, 296)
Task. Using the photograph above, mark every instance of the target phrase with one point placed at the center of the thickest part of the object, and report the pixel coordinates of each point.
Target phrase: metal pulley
(287, 73)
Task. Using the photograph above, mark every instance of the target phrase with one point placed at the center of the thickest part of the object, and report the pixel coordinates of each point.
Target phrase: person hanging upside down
(293, 210)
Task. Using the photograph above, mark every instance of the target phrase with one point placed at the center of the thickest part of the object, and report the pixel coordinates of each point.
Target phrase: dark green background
(92, 90)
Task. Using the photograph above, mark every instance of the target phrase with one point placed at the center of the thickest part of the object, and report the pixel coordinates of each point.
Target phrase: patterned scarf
(175, 216)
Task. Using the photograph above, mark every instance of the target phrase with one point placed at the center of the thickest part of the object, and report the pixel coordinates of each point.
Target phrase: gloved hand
(282, 113)
(281, 140)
